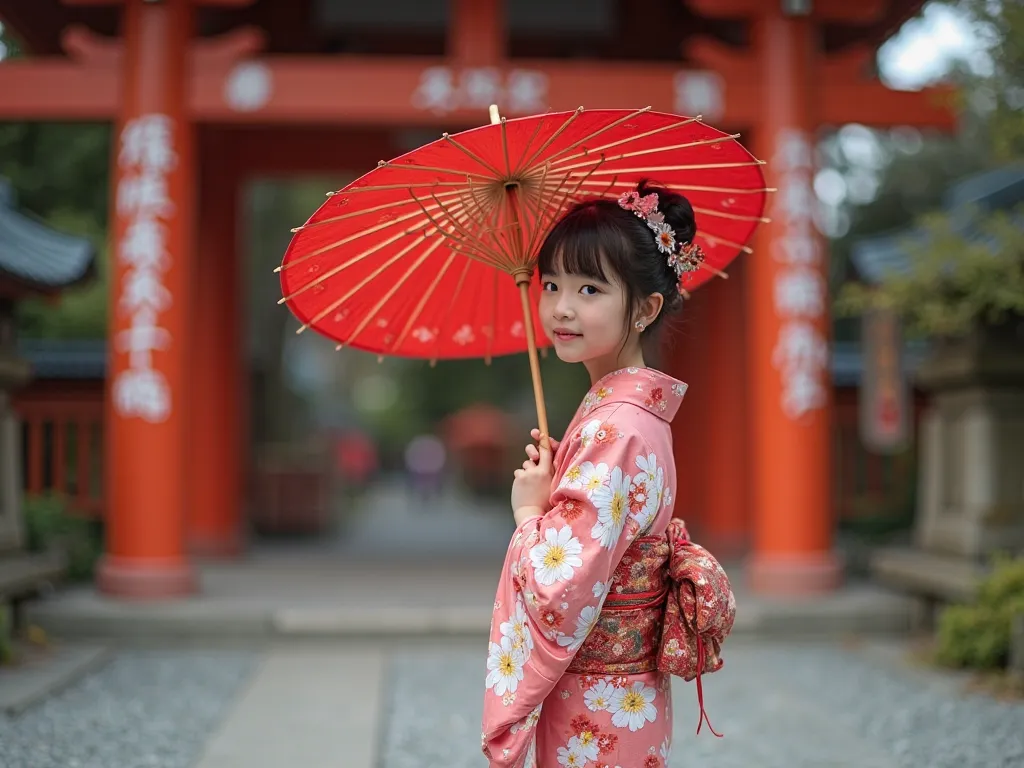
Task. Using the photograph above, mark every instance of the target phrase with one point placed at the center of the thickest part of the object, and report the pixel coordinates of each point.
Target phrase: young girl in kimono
(577, 646)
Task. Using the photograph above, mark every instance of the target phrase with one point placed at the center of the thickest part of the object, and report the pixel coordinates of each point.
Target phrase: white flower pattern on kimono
(506, 667)
(517, 629)
(612, 502)
(647, 491)
(599, 696)
(633, 707)
(572, 755)
(585, 622)
(554, 558)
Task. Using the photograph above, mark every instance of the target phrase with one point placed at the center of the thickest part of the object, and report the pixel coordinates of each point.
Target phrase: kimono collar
(647, 388)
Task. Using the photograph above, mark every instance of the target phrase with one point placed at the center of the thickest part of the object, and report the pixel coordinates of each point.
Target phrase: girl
(577, 642)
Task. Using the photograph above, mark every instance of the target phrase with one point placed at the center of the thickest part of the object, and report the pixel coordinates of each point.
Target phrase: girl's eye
(547, 285)
(589, 290)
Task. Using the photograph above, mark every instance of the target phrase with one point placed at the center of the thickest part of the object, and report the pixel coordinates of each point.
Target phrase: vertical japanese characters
(801, 353)
(145, 159)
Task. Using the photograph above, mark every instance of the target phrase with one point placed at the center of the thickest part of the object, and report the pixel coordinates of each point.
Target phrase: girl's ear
(650, 308)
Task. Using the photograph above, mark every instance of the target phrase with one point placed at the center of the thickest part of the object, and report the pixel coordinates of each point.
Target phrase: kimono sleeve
(556, 576)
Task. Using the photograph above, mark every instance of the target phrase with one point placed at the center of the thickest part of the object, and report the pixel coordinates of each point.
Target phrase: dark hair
(595, 228)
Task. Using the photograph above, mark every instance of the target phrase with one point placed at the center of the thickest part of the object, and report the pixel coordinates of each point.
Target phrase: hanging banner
(884, 397)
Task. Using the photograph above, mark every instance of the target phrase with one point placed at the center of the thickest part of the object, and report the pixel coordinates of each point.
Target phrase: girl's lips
(561, 336)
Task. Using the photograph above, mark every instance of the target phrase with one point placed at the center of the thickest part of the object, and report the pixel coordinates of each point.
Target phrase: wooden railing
(63, 446)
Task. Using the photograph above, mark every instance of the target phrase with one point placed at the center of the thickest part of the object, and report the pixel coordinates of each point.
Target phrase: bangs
(579, 245)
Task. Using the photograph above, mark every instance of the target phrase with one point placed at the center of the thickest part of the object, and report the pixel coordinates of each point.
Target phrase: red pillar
(151, 250)
(215, 370)
(725, 528)
(788, 326)
(685, 351)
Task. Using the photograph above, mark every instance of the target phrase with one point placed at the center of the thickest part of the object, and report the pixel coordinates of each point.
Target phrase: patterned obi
(669, 608)
(625, 639)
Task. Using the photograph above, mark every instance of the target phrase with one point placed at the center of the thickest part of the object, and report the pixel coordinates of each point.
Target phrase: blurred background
(325, 439)
(160, 418)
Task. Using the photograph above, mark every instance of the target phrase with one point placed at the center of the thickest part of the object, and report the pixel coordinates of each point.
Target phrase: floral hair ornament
(685, 258)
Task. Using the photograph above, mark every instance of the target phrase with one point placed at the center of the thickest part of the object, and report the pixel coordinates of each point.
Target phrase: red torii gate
(759, 421)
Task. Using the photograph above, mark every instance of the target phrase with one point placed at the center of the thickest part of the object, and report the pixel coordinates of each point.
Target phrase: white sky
(925, 46)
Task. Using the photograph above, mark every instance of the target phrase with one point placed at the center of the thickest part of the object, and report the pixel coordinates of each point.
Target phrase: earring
(640, 326)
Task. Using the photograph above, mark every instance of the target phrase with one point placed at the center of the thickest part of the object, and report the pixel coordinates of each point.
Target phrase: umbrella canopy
(413, 258)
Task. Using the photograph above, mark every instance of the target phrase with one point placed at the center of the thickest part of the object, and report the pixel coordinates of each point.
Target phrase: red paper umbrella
(413, 259)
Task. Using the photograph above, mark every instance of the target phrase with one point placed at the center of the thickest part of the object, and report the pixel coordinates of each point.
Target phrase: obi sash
(669, 608)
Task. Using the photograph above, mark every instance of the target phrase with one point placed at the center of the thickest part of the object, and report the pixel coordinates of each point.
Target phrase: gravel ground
(798, 707)
(145, 709)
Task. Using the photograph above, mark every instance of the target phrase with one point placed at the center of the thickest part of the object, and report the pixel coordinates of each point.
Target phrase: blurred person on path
(602, 595)
(425, 459)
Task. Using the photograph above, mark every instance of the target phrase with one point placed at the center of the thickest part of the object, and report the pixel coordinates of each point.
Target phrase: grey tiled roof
(37, 255)
(65, 359)
(873, 257)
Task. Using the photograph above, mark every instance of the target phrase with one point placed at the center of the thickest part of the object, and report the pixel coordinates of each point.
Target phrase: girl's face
(584, 317)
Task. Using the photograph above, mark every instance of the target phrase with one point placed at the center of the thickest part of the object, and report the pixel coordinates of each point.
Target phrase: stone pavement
(401, 566)
(416, 704)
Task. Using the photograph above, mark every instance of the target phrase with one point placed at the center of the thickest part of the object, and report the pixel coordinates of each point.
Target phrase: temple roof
(999, 189)
(37, 256)
(609, 29)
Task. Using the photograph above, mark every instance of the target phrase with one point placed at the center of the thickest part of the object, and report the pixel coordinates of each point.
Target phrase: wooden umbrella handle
(531, 344)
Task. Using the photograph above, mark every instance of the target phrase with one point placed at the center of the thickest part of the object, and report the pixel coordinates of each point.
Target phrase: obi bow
(699, 612)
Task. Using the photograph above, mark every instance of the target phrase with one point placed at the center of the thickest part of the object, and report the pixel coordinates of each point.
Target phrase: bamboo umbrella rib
(598, 132)
(443, 325)
(636, 137)
(689, 187)
(473, 240)
(526, 148)
(452, 253)
(355, 236)
(714, 270)
(373, 209)
(471, 154)
(695, 167)
(733, 216)
(732, 244)
(554, 213)
(504, 145)
(449, 237)
(391, 291)
(361, 284)
(433, 169)
(386, 187)
(423, 300)
(523, 164)
(341, 267)
(494, 320)
(650, 151)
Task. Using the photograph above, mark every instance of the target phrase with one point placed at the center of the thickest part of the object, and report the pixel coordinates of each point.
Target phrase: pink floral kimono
(576, 644)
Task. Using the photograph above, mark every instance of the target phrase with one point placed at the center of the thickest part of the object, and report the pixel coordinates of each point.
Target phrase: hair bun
(676, 209)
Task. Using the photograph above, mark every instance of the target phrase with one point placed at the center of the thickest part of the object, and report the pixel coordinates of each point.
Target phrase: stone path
(402, 705)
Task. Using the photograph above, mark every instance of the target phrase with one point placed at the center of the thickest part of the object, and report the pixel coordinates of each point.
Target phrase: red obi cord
(700, 689)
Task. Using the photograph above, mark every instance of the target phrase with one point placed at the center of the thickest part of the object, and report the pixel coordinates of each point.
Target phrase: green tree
(971, 271)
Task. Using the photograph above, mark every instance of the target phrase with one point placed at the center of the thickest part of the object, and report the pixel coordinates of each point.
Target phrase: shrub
(48, 526)
(978, 636)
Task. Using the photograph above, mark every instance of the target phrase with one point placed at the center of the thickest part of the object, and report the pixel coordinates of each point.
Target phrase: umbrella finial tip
(278, 269)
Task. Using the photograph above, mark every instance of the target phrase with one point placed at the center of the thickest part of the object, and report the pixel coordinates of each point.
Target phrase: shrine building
(209, 94)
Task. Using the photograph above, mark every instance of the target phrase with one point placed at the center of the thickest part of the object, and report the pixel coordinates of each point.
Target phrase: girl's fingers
(532, 452)
(528, 464)
(519, 473)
